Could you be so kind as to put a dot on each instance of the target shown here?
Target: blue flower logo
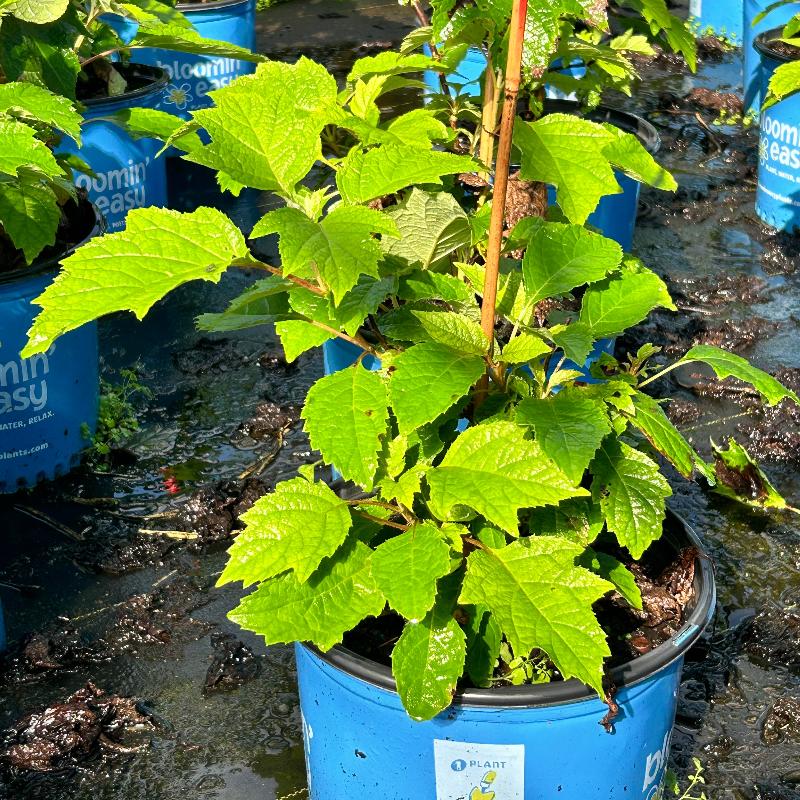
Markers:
(179, 96)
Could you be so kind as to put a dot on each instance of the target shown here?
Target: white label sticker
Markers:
(696, 8)
(469, 771)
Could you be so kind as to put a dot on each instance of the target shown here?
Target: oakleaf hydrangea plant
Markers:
(483, 468)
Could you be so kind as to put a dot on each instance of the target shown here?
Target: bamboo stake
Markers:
(513, 69)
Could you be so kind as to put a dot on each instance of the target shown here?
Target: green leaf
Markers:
(578, 519)
(559, 258)
(152, 10)
(265, 127)
(613, 571)
(483, 645)
(150, 123)
(568, 427)
(785, 81)
(39, 11)
(740, 478)
(456, 331)
(157, 252)
(169, 36)
(346, 415)
(362, 301)
(23, 151)
(632, 493)
(651, 420)
(293, 528)
(407, 567)
(431, 225)
(427, 380)
(29, 214)
(542, 29)
(524, 348)
(575, 340)
(548, 147)
(297, 337)
(381, 171)
(33, 103)
(428, 660)
(40, 54)
(613, 305)
(435, 286)
(341, 247)
(333, 601)
(261, 303)
(390, 62)
(627, 153)
(495, 470)
(726, 365)
(541, 600)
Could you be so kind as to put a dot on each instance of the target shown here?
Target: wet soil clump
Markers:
(67, 735)
(233, 664)
(782, 721)
(213, 513)
(716, 101)
(773, 638)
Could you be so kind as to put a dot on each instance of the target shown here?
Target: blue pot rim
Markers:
(213, 5)
(571, 691)
(51, 263)
(155, 77)
(762, 44)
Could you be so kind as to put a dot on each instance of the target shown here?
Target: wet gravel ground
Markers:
(126, 681)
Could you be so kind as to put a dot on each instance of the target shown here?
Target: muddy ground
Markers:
(126, 681)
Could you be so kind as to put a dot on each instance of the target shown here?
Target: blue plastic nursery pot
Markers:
(127, 173)
(778, 192)
(754, 84)
(45, 400)
(192, 77)
(721, 17)
(472, 67)
(512, 743)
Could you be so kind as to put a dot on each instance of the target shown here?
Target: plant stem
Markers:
(382, 521)
(491, 100)
(663, 372)
(513, 68)
(424, 22)
(250, 263)
(357, 340)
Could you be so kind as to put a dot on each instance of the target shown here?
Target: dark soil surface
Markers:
(108, 578)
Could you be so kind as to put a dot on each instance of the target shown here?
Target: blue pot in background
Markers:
(192, 77)
(127, 173)
(46, 400)
(778, 192)
(472, 67)
(753, 79)
(514, 743)
(721, 17)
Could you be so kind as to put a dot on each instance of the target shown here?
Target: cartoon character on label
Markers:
(482, 791)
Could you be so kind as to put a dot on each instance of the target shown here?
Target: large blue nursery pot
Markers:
(45, 400)
(778, 192)
(753, 78)
(192, 77)
(471, 69)
(127, 173)
(514, 743)
(721, 17)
